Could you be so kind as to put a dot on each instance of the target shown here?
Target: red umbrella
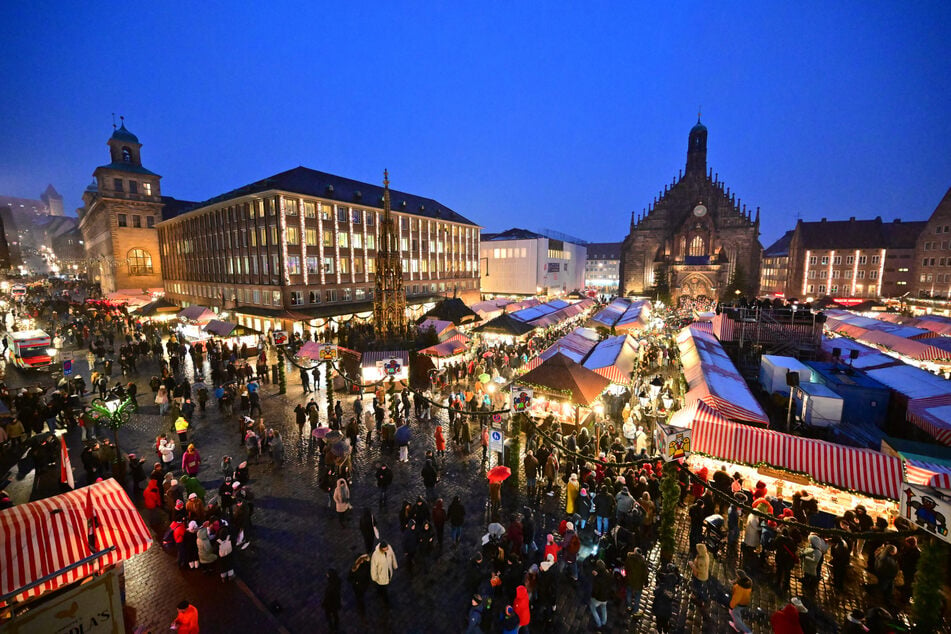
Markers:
(498, 474)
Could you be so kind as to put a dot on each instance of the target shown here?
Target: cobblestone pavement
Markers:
(296, 538)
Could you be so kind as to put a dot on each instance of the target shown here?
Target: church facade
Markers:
(696, 240)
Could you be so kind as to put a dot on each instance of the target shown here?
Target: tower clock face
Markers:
(700, 211)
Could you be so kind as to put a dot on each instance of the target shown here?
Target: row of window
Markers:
(942, 229)
(834, 288)
(123, 221)
(940, 278)
(847, 274)
(932, 261)
(119, 185)
(849, 259)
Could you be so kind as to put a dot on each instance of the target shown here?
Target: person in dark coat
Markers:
(439, 521)
(368, 529)
(457, 516)
(332, 602)
(359, 579)
(430, 478)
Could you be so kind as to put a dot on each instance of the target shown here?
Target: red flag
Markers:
(65, 466)
(92, 521)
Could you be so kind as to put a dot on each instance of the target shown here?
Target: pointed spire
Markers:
(113, 121)
(699, 110)
(757, 216)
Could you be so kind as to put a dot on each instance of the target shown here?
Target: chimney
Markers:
(823, 220)
(852, 219)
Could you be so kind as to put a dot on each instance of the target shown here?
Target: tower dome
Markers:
(122, 134)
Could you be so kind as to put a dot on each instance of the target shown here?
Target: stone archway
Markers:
(697, 285)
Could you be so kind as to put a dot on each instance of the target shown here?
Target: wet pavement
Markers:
(296, 538)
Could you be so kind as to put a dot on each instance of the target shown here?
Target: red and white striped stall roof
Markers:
(933, 415)
(696, 413)
(908, 347)
(928, 473)
(42, 537)
(865, 470)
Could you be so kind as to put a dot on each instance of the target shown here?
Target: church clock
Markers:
(700, 211)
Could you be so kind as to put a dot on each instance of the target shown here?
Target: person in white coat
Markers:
(167, 451)
(382, 566)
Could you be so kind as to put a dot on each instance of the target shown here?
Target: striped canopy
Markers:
(928, 473)
(45, 536)
(933, 415)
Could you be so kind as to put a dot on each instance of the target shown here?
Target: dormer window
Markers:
(126, 155)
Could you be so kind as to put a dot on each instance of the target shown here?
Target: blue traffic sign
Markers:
(67, 367)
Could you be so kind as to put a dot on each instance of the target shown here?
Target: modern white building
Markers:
(602, 266)
(522, 262)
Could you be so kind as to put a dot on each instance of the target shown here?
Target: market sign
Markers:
(388, 367)
(554, 267)
(328, 352)
(280, 337)
(522, 399)
(95, 607)
(927, 507)
(673, 443)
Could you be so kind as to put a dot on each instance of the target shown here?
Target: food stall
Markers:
(567, 390)
(73, 543)
(505, 329)
(839, 477)
(384, 365)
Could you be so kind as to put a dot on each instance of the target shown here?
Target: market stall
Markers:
(850, 468)
(933, 416)
(565, 389)
(575, 345)
(447, 351)
(934, 474)
(196, 314)
(624, 314)
(42, 538)
(160, 310)
(505, 329)
(712, 378)
(455, 311)
(615, 359)
(384, 365)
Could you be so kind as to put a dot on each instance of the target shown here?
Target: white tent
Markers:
(817, 405)
(773, 369)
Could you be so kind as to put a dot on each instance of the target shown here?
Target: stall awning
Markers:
(908, 347)
(196, 313)
(697, 413)
(42, 537)
(928, 473)
(220, 328)
(456, 344)
(161, 305)
(933, 415)
(560, 374)
(865, 470)
(614, 358)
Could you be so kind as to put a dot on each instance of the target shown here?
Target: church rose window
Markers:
(140, 262)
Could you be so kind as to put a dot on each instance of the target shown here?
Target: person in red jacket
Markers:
(187, 620)
(786, 620)
(440, 441)
(521, 606)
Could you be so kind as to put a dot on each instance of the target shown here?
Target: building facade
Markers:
(851, 258)
(933, 254)
(522, 262)
(602, 266)
(775, 267)
(303, 244)
(695, 239)
(120, 211)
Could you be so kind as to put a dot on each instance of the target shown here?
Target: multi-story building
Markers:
(933, 254)
(120, 211)
(522, 262)
(775, 267)
(302, 245)
(851, 258)
(602, 265)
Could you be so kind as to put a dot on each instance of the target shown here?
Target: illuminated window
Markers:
(697, 247)
(343, 240)
(293, 235)
(140, 262)
(126, 155)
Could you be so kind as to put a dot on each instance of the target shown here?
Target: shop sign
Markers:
(387, 368)
(521, 399)
(280, 337)
(92, 608)
(554, 267)
(927, 507)
(673, 443)
(328, 352)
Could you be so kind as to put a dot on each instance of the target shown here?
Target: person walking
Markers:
(191, 460)
(384, 478)
(342, 499)
(186, 622)
(700, 567)
(359, 579)
(382, 566)
(740, 602)
(457, 516)
(430, 478)
(440, 441)
(368, 529)
(602, 589)
(332, 600)
(635, 574)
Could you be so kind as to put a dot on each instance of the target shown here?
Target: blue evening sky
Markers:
(558, 115)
